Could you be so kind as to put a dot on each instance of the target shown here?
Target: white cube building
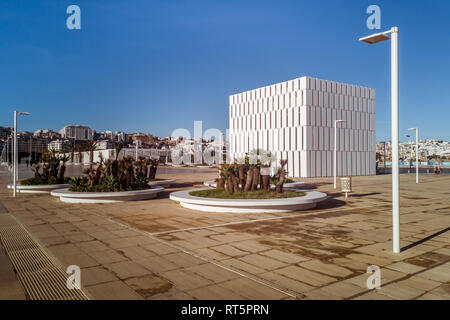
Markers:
(295, 121)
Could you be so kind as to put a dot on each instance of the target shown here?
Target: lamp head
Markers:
(375, 38)
(24, 113)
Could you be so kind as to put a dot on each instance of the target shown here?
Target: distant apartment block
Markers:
(295, 120)
(77, 132)
(59, 145)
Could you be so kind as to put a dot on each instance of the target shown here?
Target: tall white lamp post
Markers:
(375, 38)
(335, 150)
(16, 154)
(417, 153)
(137, 143)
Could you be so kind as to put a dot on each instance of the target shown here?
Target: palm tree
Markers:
(80, 150)
(118, 146)
(72, 149)
(91, 146)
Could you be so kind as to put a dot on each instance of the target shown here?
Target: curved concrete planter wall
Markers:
(247, 205)
(292, 185)
(162, 183)
(43, 188)
(106, 197)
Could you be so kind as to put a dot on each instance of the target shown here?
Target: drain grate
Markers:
(40, 276)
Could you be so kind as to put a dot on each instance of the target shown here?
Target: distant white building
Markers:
(104, 144)
(295, 121)
(58, 145)
(77, 132)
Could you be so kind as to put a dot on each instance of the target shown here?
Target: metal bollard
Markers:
(346, 185)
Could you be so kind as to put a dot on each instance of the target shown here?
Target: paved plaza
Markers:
(156, 249)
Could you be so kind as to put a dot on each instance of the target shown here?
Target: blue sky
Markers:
(154, 66)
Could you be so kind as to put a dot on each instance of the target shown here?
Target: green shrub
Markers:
(43, 181)
(258, 194)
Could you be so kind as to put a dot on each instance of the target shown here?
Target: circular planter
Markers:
(247, 205)
(290, 186)
(162, 183)
(106, 197)
(43, 188)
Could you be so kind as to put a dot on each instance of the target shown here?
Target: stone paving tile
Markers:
(196, 243)
(52, 241)
(326, 268)
(135, 252)
(304, 275)
(96, 275)
(374, 295)
(284, 282)
(81, 260)
(405, 267)
(250, 246)
(440, 273)
(263, 262)
(241, 265)
(419, 283)
(90, 246)
(107, 256)
(120, 243)
(401, 292)
(159, 248)
(149, 285)
(157, 264)
(213, 272)
(430, 296)
(284, 256)
(127, 269)
(369, 259)
(78, 237)
(319, 294)
(183, 260)
(252, 290)
(186, 280)
(229, 250)
(211, 254)
(215, 292)
(350, 264)
(443, 291)
(342, 289)
(103, 235)
(114, 290)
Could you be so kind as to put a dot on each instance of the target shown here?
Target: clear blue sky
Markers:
(154, 66)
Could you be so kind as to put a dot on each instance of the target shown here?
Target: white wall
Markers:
(295, 120)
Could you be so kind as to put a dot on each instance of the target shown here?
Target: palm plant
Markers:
(91, 146)
(72, 149)
(118, 146)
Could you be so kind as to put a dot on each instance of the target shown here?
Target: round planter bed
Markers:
(39, 188)
(106, 197)
(162, 183)
(287, 186)
(307, 201)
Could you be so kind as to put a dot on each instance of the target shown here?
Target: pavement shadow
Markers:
(330, 203)
(412, 245)
(361, 195)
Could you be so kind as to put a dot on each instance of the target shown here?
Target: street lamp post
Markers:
(16, 154)
(417, 153)
(335, 149)
(137, 142)
(375, 38)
